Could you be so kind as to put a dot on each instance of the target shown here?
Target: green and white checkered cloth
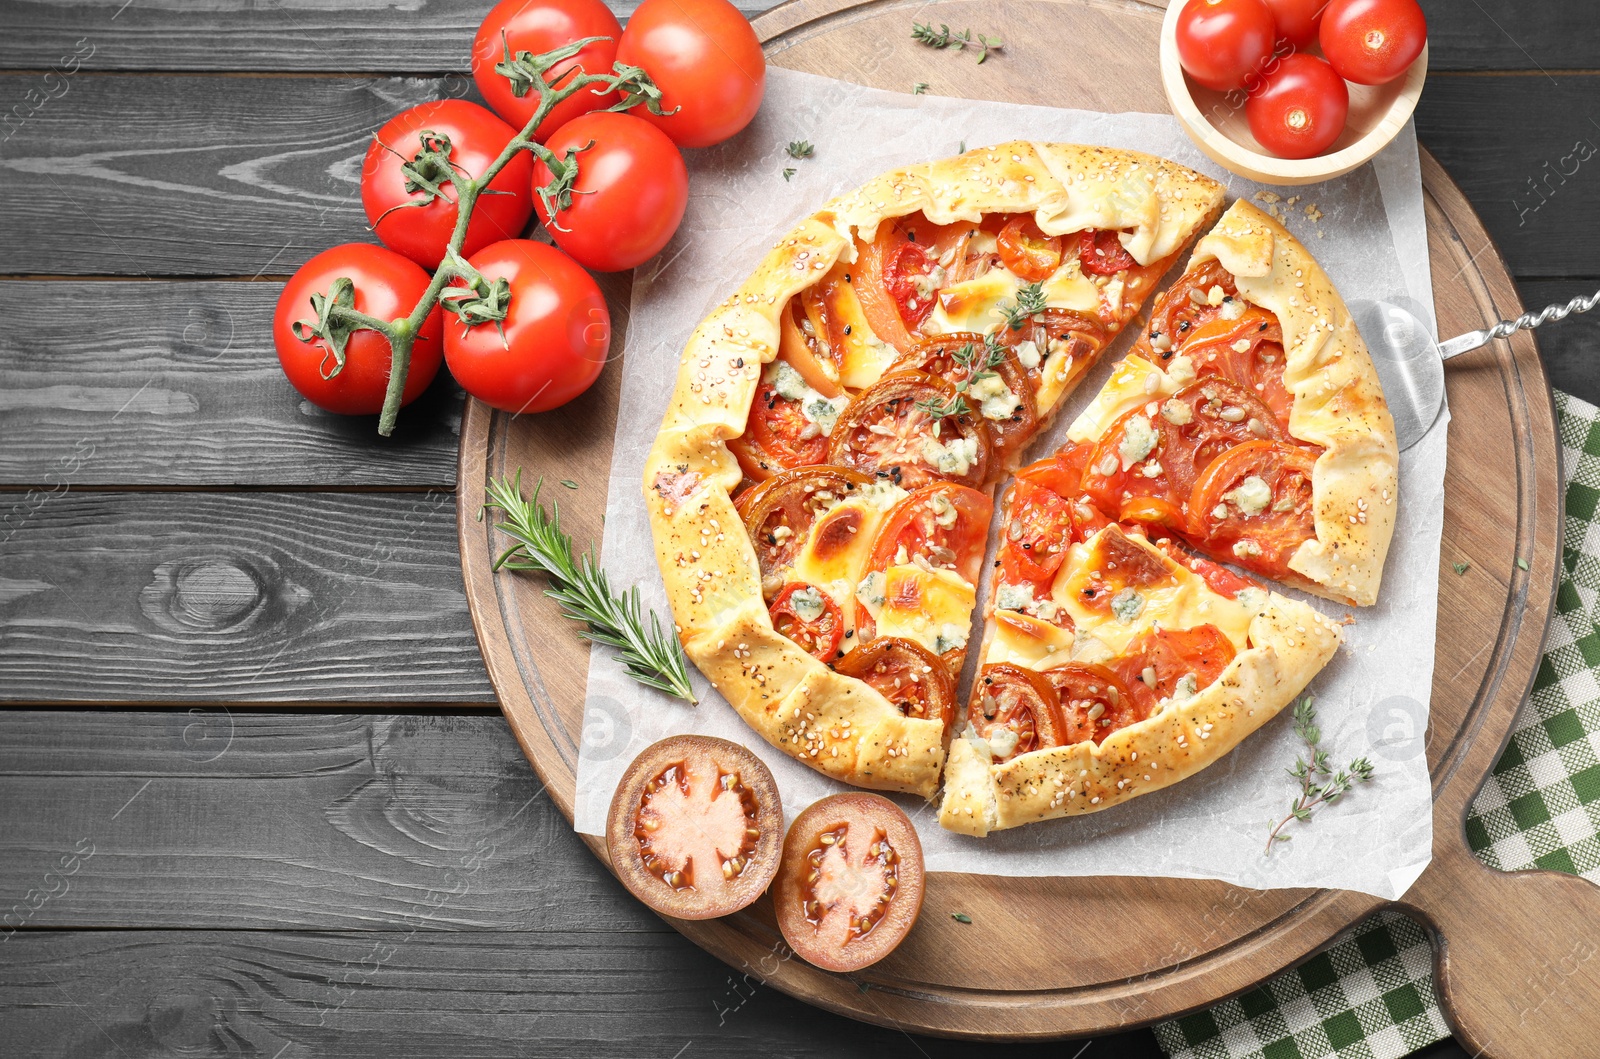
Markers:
(1371, 996)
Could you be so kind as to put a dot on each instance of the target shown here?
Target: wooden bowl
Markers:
(1216, 120)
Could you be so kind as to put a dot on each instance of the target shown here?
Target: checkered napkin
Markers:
(1371, 996)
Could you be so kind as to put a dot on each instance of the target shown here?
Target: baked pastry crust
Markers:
(1288, 643)
(711, 572)
(1338, 403)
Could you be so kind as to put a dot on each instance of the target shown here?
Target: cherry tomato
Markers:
(1372, 42)
(1297, 20)
(418, 223)
(1017, 706)
(908, 275)
(1222, 42)
(386, 285)
(818, 635)
(556, 333)
(911, 677)
(1034, 538)
(630, 194)
(960, 358)
(1300, 108)
(777, 436)
(1094, 702)
(539, 26)
(851, 884)
(1253, 504)
(695, 827)
(706, 60)
(1101, 253)
(893, 430)
(943, 523)
(1026, 251)
(899, 273)
(781, 513)
(1155, 664)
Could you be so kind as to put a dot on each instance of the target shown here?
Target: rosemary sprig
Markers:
(937, 409)
(800, 149)
(924, 33)
(653, 657)
(1312, 793)
(1030, 302)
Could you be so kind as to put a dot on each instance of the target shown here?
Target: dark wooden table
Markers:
(255, 794)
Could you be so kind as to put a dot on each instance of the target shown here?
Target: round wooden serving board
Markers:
(1072, 956)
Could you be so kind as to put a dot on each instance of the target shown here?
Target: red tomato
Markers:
(1085, 686)
(387, 286)
(1297, 20)
(911, 677)
(818, 636)
(557, 331)
(1033, 543)
(539, 26)
(1266, 540)
(706, 60)
(781, 513)
(896, 429)
(945, 524)
(777, 436)
(1101, 253)
(1155, 663)
(1221, 42)
(419, 224)
(1372, 42)
(629, 196)
(1300, 108)
(1018, 706)
(1026, 251)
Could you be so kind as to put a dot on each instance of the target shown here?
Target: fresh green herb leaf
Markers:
(963, 148)
(800, 149)
(1030, 302)
(937, 409)
(960, 917)
(1522, 564)
(652, 655)
(919, 88)
(788, 174)
(1461, 568)
(924, 33)
(569, 483)
(1319, 784)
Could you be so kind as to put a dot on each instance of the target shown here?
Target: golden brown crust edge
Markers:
(1290, 643)
(707, 562)
(1338, 402)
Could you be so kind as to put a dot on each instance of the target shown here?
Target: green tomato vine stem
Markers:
(525, 70)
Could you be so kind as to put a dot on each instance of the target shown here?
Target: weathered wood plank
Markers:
(1568, 347)
(207, 818)
(243, 175)
(242, 597)
(1526, 150)
(389, 996)
(433, 35)
(177, 383)
(427, 35)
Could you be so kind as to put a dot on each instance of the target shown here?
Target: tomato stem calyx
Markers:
(337, 319)
(556, 196)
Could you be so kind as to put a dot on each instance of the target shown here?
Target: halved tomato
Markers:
(1247, 351)
(695, 826)
(851, 884)
(780, 512)
(1113, 479)
(1034, 540)
(811, 618)
(913, 679)
(1094, 702)
(944, 523)
(1156, 663)
(1184, 306)
(903, 429)
(1101, 253)
(1255, 502)
(1027, 251)
(967, 362)
(777, 436)
(1016, 706)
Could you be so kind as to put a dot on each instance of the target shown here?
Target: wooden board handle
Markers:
(1517, 967)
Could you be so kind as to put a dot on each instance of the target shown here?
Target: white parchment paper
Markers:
(1372, 699)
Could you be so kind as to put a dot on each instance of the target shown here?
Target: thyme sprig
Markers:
(800, 149)
(1030, 301)
(1314, 794)
(937, 409)
(943, 37)
(651, 656)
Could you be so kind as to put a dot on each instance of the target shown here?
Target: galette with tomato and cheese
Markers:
(821, 491)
